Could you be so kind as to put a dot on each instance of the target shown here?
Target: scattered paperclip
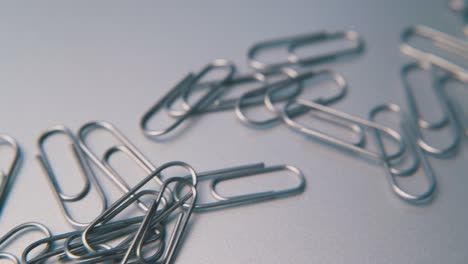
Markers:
(218, 176)
(87, 174)
(124, 145)
(189, 82)
(251, 98)
(448, 119)
(352, 120)
(415, 151)
(292, 43)
(451, 44)
(7, 177)
(30, 226)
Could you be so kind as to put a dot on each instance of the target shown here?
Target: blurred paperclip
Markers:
(292, 43)
(461, 7)
(439, 39)
(87, 174)
(253, 97)
(417, 156)
(25, 227)
(7, 177)
(448, 115)
(189, 82)
(354, 123)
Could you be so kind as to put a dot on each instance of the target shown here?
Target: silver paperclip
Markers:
(449, 117)
(439, 39)
(6, 178)
(418, 156)
(124, 144)
(153, 217)
(269, 100)
(129, 197)
(221, 201)
(290, 44)
(30, 226)
(250, 98)
(188, 83)
(87, 174)
(352, 120)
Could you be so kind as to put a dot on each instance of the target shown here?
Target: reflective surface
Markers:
(70, 63)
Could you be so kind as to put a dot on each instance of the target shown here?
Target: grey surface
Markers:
(69, 63)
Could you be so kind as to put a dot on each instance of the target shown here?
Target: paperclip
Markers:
(441, 40)
(443, 84)
(10, 258)
(216, 177)
(269, 101)
(123, 143)
(187, 83)
(123, 201)
(25, 226)
(152, 217)
(415, 117)
(293, 42)
(87, 174)
(6, 178)
(398, 190)
(250, 98)
(139, 162)
(340, 143)
(101, 234)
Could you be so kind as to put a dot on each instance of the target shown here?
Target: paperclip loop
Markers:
(5, 178)
(30, 226)
(9, 257)
(64, 243)
(250, 98)
(414, 115)
(221, 201)
(187, 83)
(418, 157)
(451, 44)
(125, 200)
(152, 217)
(87, 174)
(352, 120)
(269, 101)
(102, 163)
(294, 42)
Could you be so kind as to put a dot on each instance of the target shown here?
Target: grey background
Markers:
(64, 62)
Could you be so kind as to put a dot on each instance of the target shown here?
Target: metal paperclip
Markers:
(9, 257)
(340, 143)
(415, 151)
(124, 143)
(293, 42)
(101, 234)
(124, 200)
(269, 101)
(460, 114)
(14, 232)
(87, 174)
(153, 216)
(222, 201)
(6, 178)
(187, 83)
(448, 114)
(250, 98)
(439, 39)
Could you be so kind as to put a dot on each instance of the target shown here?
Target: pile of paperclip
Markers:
(154, 236)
